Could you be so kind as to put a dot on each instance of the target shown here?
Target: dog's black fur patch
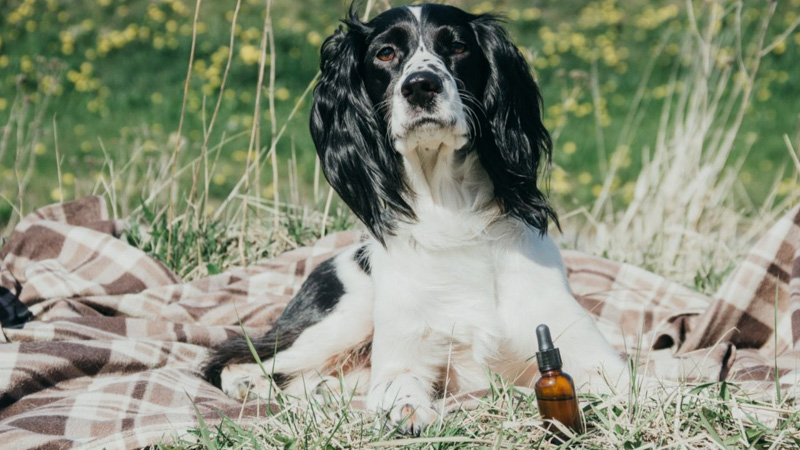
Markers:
(319, 295)
(362, 259)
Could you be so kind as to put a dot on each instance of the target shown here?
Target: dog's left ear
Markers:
(518, 142)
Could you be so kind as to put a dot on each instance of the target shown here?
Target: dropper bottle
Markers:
(555, 391)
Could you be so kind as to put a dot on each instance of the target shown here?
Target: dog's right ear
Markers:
(351, 138)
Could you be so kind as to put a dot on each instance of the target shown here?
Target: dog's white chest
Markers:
(447, 296)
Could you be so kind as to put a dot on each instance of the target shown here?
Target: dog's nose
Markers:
(421, 87)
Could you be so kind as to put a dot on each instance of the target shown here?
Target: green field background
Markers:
(109, 75)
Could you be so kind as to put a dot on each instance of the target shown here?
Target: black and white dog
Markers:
(428, 125)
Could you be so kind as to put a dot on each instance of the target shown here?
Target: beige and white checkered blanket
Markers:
(100, 343)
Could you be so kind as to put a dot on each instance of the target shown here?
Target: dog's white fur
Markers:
(456, 295)
(448, 105)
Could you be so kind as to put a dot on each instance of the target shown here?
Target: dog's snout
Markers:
(420, 88)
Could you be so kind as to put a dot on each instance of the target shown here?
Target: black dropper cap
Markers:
(548, 357)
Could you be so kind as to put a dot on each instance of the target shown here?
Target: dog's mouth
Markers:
(430, 129)
(428, 122)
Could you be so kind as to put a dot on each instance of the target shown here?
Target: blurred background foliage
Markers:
(104, 80)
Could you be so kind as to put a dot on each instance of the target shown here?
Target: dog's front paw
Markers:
(611, 377)
(246, 382)
(405, 402)
(411, 419)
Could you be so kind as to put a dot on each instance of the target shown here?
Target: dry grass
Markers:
(689, 213)
(679, 416)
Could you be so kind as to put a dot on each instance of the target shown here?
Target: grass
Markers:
(109, 77)
(713, 415)
(691, 155)
(689, 217)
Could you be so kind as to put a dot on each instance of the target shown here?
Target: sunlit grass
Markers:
(114, 73)
(713, 415)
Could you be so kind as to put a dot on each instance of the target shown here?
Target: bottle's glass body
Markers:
(557, 400)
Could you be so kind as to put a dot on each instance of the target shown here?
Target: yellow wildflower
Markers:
(780, 48)
(240, 155)
(531, 13)
(282, 94)
(250, 54)
(314, 38)
(56, 194)
(26, 64)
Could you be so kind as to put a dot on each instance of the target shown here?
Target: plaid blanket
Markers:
(100, 343)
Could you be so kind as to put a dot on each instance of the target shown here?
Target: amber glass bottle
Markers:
(555, 391)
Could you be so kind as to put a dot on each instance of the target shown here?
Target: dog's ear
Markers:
(351, 138)
(518, 142)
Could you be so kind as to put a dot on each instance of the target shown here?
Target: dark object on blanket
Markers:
(13, 313)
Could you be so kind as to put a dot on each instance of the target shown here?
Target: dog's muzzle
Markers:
(421, 88)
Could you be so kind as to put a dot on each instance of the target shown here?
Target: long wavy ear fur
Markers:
(513, 151)
(350, 136)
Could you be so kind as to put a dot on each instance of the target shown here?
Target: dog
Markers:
(428, 124)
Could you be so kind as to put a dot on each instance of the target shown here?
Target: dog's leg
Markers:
(405, 364)
(314, 357)
(405, 398)
(533, 289)
(470, 375)
(402, 378)
(328, 318)
(354, 381)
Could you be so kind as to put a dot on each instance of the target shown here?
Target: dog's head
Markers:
(430, 76)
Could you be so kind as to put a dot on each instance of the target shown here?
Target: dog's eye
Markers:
(458, 47)
(385, 54)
